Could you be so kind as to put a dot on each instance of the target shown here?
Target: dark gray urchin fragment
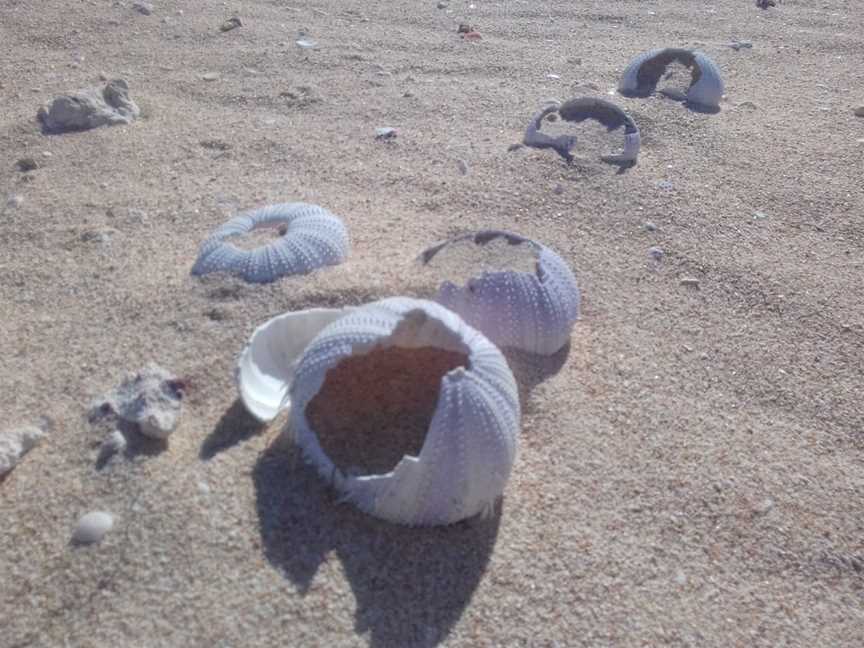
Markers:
(641, 76)
(578, 110)
(314, 238)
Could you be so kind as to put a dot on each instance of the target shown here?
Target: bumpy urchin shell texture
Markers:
(315, 238)
(643, 72)
(471, 442)
(534, 312)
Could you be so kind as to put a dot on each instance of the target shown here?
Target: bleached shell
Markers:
(534, 312)
(315, 238)
(470, 446)
(706, 91)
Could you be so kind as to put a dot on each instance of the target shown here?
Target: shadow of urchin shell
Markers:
(531, 305)
(641, 76)
(578, 110)
(314, 238)
(470, 444)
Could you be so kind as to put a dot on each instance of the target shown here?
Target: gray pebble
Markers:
(231, 23)
(462, 165)
(306, 43)
(649, 226)
(90, 108)
(144, 8)
(92, 527)
(859, 111)
(14, 201)
(27, 164)
(385, 133)
(210, 76)
(689, 282)
(656, 253)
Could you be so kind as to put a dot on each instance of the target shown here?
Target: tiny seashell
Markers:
(534, 312)
(315, 238)
(643, 72)
(92, 527)
(470, 445)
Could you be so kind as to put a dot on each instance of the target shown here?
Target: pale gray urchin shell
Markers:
(470, 446)
(315, 238)
(534, 312)
(642, 74)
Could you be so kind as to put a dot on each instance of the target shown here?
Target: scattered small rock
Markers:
(739, 45)
(759, 215)
(102, 235)
(656, 253)
(442, 5)
(231, 23)
(472, 35)
(764, 506)
(859, 111)
(464, 28)
(14, 201)
(558, 189)
(462, 165)
(144, 8)
(306, 43)
(514, 147)
(210, 76)
(553, 77)
(649, 226)
(15, 443)
(27, 164)
(90, 108)
(385, 133)
(749, 105)
(689, 282)
(764, 4)
(150, 398)
(92, 527)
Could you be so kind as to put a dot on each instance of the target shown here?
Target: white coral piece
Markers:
(534, 312)
(14, 444)
(470, 446)
(315, 238)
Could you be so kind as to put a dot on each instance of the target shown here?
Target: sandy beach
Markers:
(690, 469)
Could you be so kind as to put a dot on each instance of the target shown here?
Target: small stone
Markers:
(204, 487)
(462, 165)
(47, 154)
(14, 201)
(665, 184)
(16, 443)
(680, 577)
(102, 235)
(558, 189)
(464, 28)
(689, 282)
(739, 45)
(859, 111)
(210, 76)
(554, 77)
(656, 253)
(759, 215)
(763, 507)
(472, 35)
(306, 43)
(231, 23)
(514, 147)
(649, 226)
(114, 444)
(92, 527)
(385, 133)
(749, 105)
(27, 164)
(144, 8)
(442, 5)
(90, 108)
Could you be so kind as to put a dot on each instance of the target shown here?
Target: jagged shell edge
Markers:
(385, 495)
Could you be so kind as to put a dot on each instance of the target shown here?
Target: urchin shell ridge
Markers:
(315, 238)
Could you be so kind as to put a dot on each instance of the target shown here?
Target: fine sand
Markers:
(691, 468)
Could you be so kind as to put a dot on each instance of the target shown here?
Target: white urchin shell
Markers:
(534, 312)
(706, 91)
(470, 446)
(315, 238)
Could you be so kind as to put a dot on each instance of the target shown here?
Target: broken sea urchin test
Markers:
(377, 362)
(578, 110)
(518, 292)
(641, 76)
(313, 238)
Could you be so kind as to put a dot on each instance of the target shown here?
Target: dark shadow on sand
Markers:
(411, 585)
(531, 369)
(235, 426)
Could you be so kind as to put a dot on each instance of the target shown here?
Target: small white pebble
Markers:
(92, 527)
(14, 201)
(204, 487)
(656, 253)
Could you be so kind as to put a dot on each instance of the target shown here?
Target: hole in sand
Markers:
(374, 409)
(258, 237)
(462, 259)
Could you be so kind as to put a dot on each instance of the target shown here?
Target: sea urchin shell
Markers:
(470, 445)
(532, 311)
(642, 74)
(314, 238)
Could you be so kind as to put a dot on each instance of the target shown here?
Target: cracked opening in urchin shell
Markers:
(260, 236)
(374, 409)
(465, 257)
